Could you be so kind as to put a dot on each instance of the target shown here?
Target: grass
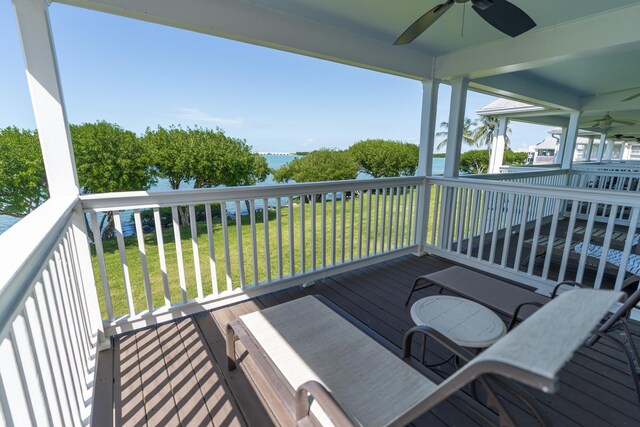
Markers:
(216, 279)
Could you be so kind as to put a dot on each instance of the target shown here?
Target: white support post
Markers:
(43, 78)
(456, 124)
(497, 146)
(560, 147)
(452, 157)
(570, 140)
(625, 154)
(425, 159)
(603, 143)
(608, 155)
(587, 151)
(427, 126)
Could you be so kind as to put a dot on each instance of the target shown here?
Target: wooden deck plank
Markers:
(102, 414)
(132, 407)
(217, 396)
(160, 405)
(187, 394)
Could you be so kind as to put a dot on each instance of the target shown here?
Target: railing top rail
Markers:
(623, 174)
(144, 199)
(26, 246)
(517, 175)
(623, 198)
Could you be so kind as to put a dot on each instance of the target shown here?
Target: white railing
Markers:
(632, 166)
(528, 168)
(290, 235)
(48, 319)
(520, 231)
(555, 177)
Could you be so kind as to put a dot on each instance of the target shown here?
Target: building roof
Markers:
(547, 144)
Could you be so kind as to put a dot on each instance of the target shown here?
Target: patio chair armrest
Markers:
(554, 293)
(516, 312)
(427, 331)
(319, 392)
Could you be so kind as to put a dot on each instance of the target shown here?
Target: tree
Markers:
(485, 130)
(467, 133)
(108, 159)
(23, 182)
(477, 161)
(382, 158)
(170, 153)
(474, 161)
(320, 165)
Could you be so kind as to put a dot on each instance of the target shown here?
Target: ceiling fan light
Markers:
(482, 4)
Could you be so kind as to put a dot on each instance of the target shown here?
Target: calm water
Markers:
(163, 185)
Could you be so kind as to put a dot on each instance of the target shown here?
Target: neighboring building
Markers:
(543, 153)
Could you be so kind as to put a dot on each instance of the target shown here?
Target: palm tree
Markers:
(467, 133)
(485, 130)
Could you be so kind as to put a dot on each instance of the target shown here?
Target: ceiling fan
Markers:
(501, 14)
(637, 95)
(606, 121)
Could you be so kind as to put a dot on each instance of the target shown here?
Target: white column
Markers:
(497, 146)
(603, 142)
(560, 146)
(587, 151)
(609, 151)
(625, 154)
(425, 159)
(570, 140)
(46, 96)
(456, 124)
(427, 126)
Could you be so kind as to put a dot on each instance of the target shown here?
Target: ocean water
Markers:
(275, 161)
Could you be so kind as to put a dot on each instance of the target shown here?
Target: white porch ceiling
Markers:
(583, 54)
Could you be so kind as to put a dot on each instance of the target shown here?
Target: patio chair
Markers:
(304, 348)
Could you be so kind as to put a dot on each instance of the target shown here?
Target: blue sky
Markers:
(138, 74)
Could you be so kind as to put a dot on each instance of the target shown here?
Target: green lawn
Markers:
(333, 243)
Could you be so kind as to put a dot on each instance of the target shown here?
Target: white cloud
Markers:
(195, 115)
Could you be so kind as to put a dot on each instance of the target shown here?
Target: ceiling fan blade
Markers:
(631, 97)
(506, 17)
(624, 122)
(424, 22)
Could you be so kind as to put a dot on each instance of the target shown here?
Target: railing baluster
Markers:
(333, 228)
(540, 200)
(303, 247)
(587, 239)
(435, 237)
(313, 231)
(196, 252)
(375, 223)
(352, 231)
(523, 229)
(225, 238)
(343, 228)
(143, 259)
(605, 246)
(178, 242)
(403, 222)
(279, 235)
(123, 262)
(323, 228)
(97, 240)
(254, 240)
(557, 207)
(507, 234)
(635, 215)
(383, 224)
(292, 255)
(163, 261)
(486, 201)
(462, 210)
(567, 243)
(212, 250)
(475, 196)
(240, 247)
(267, 247)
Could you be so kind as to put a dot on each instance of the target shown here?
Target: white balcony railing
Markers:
(48, 319)
(531, 234)
(290, 234)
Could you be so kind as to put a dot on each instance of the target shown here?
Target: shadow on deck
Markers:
(175, 373)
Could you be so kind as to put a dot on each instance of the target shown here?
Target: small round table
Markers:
(465, 322)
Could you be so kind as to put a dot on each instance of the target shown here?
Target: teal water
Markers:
(163, 185)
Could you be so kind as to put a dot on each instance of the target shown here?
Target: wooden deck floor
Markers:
(175, 374)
